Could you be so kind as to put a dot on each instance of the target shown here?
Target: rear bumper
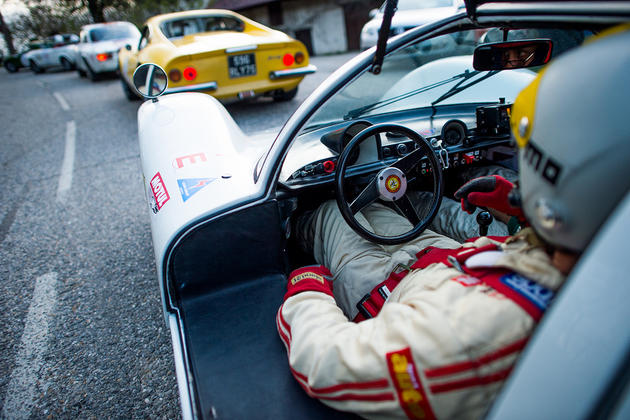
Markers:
(281, 80)
(283, 74)
(200, 87)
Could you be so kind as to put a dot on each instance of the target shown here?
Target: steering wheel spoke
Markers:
(366, 197)
(408, 162)
(408, 210)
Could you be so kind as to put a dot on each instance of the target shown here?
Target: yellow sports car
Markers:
(218, 52)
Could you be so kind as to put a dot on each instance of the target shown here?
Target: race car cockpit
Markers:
(224, 205)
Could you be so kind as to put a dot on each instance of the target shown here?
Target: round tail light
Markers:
(287, 60)
(299, 57)
(190, 73)
(175, 75)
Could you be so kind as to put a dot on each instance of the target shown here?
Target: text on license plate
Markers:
(241, 65)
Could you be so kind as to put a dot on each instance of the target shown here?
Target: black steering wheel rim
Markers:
(406, 163)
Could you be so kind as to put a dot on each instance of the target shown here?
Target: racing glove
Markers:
(491, 191)
(315, 278)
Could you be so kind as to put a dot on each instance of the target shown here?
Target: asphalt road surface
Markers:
(82, 333)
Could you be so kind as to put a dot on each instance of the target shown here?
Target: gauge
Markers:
(349, 133)
(402, 149)
(454, 132)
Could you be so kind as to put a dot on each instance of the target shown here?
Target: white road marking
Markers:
(62, 101)
(20, 395)
(67, 167)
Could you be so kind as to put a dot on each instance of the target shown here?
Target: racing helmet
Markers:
(572, 127)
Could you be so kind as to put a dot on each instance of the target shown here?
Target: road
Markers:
(82, 333)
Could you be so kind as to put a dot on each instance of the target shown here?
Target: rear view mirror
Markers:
(512, 54)
(150, 80)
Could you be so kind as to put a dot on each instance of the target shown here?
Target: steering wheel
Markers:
(389, 185)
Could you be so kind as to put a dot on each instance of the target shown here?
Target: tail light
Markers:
(190, 73)
(104, 56)
(299, 57)
(175, 75)
(287, 60)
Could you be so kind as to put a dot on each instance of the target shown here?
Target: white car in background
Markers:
(57, 51)
(410, 13)
(99, 46)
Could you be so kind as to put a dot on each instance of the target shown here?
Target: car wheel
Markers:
(129, 93)
(34, 67)
(66, 64)
(11, 67)
(90, 73)
(281, 95)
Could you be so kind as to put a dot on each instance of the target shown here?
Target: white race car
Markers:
(222, 205)
(58, 51)
(97, 52)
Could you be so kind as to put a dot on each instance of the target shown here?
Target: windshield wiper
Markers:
(355, 113)
(458, 86)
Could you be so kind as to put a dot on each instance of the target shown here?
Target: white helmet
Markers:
(572, 125)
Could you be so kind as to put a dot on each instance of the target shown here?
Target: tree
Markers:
(6, 33)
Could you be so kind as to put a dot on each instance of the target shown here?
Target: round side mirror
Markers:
(150, 80)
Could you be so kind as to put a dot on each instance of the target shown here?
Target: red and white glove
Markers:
(490, 191)
(316, 278)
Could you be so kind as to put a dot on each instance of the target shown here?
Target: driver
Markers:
(442, 323)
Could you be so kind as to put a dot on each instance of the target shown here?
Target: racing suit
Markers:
(446, 337)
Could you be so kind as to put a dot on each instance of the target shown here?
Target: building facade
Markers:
(324, 26)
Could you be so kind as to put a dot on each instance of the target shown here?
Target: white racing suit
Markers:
(447, 335)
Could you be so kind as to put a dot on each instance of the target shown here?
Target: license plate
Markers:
(241, 65)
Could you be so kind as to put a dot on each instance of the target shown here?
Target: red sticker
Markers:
(467, 281)
(182, 161)
(412, 397)
(160, 194)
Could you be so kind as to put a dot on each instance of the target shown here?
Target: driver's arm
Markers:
(419, 358)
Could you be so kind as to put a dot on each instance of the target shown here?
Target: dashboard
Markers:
(460, 135)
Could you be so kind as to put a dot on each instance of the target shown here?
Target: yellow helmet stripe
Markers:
(607, 32)
(523, 111)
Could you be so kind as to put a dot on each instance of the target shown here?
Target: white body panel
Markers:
(196, 162)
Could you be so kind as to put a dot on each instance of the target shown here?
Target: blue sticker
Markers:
(530, 290)
(190, 186)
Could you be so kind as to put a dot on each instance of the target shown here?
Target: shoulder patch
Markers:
(307, 275)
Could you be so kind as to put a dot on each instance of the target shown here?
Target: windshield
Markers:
(110, 32)
(418, 84)
(436, 71)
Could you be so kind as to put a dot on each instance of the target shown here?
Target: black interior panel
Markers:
(239, 363)
(230, 277)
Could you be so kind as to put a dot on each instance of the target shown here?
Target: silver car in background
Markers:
(409, 14)
(57, 51)
(99, 45)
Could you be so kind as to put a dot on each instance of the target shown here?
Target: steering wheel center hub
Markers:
(392, 184)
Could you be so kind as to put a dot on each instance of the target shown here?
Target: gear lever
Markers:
(484, 218)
